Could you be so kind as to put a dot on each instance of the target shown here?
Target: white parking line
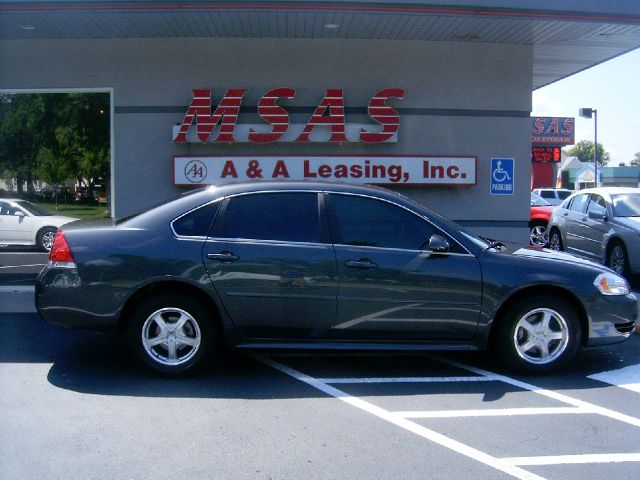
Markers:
(575, 459)
(407, 379)
(497, 412)
(627, 377)
(547, 393)
(510, 465)
(408, 425)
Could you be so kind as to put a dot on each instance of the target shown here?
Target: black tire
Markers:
(538, 234)
(617, 258)
(184, 324)
(45, 238)
(538, 334)
(555, 240)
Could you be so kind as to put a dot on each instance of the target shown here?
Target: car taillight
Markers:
(60, 254)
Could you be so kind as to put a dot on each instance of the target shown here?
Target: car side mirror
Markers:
(18, 213)
(597, 216)
(437, 243)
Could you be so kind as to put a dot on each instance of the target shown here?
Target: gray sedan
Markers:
(602, 224)
(320, 265)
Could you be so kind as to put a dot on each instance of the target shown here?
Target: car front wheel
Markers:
(538, 334)
(172, 334)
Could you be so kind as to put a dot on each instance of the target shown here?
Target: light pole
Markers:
(588, 113)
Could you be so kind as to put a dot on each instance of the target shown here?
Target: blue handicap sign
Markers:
(502, 176)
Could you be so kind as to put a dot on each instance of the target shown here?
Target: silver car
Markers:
(602, 224)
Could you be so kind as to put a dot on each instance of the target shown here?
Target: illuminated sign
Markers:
(552, 131)
(546, 154)
(326, 124)
(375, 169)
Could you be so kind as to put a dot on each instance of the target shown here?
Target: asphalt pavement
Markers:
(77, 405)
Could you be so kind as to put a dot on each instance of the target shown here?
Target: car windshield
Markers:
(33, 209)
(538, 201)
(626, 205)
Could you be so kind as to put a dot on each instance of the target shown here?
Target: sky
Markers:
(613, 88)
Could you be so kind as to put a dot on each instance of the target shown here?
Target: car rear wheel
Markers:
(172, 334)
(538, 234)
(617, 259)
(555, 240)
(538, 334)
(46, 237)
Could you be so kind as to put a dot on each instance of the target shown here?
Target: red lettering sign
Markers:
(274, 114)
(330, 114)
(200, 111)
(383, 114)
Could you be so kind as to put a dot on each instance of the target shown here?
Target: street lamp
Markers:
(588, 113)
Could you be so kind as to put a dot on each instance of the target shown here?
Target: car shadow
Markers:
(88, 362)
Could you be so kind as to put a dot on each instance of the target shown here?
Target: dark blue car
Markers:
(319, 265)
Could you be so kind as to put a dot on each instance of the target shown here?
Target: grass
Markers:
(76, 210)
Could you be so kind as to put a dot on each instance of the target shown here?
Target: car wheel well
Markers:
(169, 287)
(532, 291)
(611, 243)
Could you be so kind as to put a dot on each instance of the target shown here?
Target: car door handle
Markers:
(225, 257)
(362, 264)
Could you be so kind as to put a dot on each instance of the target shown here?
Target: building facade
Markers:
(461, 78)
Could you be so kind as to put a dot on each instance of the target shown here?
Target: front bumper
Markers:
(611, 318)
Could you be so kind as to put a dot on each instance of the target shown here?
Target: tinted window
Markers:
(579, 203)
(547, 194)
(292, 217)
(369, 222)
(563, 194)
(597, 205)
(198, 222)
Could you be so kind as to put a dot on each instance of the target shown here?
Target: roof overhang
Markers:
(566, 36)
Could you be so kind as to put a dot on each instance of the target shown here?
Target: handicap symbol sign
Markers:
(502, 176)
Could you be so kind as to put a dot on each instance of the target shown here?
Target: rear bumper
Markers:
(63, 299)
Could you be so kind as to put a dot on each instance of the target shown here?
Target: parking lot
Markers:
(76, 405)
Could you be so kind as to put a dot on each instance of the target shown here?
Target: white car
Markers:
(555, 196)
(23, 223)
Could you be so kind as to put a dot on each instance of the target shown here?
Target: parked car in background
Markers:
(322, 265)
(24, 223)
(555, 196)
(538, 221)
(602, 224)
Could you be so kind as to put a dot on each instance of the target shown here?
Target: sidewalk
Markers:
(17, 299)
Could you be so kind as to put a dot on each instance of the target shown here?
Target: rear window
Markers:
(196, 223)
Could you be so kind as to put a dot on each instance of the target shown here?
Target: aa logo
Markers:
(195, 171)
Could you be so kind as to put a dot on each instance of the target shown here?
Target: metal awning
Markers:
(564, 41)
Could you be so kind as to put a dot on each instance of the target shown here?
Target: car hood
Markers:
(551, 255)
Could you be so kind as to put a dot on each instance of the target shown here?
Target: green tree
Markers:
(584, 151)
(636, 160)
(47, 136)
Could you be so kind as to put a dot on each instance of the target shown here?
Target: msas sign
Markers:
(326, 124)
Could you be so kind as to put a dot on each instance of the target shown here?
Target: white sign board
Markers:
(400, 170)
